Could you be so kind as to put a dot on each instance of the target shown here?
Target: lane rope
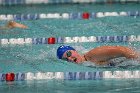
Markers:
(28, 2)
(69, 75)
(80, 15)
(64, 40)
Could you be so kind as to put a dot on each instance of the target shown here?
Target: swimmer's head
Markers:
(62, 49)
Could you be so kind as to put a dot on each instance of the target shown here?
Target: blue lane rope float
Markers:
(84, 15)
(26, 2)
(69, 75)
(63, 40)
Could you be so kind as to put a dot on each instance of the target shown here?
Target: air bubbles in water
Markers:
(81, 49)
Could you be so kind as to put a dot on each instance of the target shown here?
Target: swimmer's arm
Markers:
(113, 51)
(129, 53)
(13, 24)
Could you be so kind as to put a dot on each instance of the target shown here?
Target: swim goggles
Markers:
(68, 54)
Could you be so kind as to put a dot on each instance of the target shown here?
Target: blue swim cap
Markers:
(62, 49)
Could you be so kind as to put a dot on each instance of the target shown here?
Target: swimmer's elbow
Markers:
(132, 56)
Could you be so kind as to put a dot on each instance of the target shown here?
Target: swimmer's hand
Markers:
(112, 64)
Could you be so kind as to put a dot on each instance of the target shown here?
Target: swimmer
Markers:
(99, 56)
(12, 24)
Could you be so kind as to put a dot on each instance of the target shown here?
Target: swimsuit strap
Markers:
(85, 58)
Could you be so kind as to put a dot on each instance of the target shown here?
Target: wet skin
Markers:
(100, 55)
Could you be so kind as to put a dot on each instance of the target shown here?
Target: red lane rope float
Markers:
(51, 40)
(86, 15)
(10, 77)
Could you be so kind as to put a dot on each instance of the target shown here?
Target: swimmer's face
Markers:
(72, 56)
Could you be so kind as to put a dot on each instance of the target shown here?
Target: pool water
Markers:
(42, 58)
(95, 86)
